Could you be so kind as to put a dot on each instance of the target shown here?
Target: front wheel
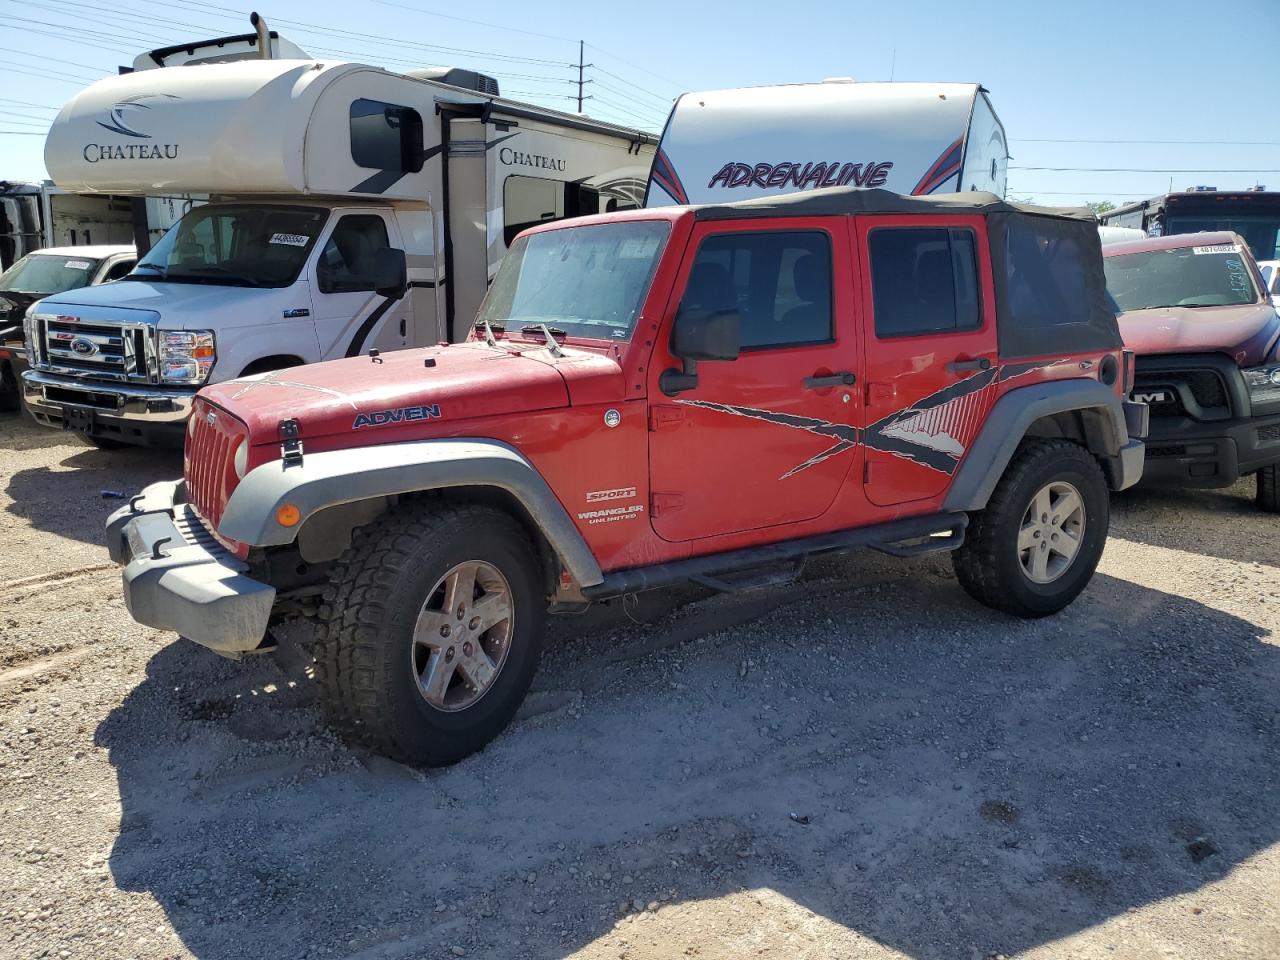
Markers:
(1036, 544)
(431, 632)
(1268, 498)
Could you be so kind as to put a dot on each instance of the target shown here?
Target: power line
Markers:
(636, 66)
(1214, 143)
(640, 104)
(634, 86)
(1138, 170)
(27, 103)
(21, 133)
(47, 75)
(26, 120)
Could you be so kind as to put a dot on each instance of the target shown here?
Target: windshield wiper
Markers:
(550, 333)
(489, 330)
(162, 271)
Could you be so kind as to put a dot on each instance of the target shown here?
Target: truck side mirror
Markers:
(390, 273)
(700, 335)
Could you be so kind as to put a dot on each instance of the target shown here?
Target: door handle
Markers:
(830, 380)
(959, 366)
(402, 326)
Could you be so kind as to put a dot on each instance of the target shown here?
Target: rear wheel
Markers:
(1268, 497)
(1037, 543)
(431, 632)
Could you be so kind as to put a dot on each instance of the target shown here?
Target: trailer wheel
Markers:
(431, 631)
(1268, 496)
(1035, 546)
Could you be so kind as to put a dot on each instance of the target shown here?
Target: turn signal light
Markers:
(288, 515)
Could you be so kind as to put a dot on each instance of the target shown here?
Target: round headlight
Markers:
(1274, 376)
(241, 460)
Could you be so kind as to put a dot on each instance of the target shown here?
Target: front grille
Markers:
(1207, 387)
(1200, 394)
(195, 532)
(1267, 434)
(107, 350)
(212, 438)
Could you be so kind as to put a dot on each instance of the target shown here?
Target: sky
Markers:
(1101, 101)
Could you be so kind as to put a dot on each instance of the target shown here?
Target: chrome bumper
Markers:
(178, 577)
(47, 394)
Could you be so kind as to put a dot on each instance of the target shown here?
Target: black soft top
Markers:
(1051, 293)
(847, 200)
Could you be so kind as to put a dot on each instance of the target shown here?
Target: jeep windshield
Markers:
(1206, 276)
(249, 245)
(587, 281)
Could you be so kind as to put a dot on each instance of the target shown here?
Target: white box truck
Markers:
(910, 138)
(351, 209)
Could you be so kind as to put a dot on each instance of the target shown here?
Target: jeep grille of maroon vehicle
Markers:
(698, 394)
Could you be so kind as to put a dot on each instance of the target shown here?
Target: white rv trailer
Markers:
(312, 168)
(911, 138)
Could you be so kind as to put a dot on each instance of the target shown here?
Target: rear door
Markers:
(930, 343)
(766, 439)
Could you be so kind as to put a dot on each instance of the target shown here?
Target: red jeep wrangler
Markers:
(663, 395)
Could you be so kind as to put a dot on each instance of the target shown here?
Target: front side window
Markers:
(1205, 276)
(346, 262)
(386, 136)
(44, 274)
(589, 281)
(118, 270)
(778, 282)
(924, 280)
(239, 245)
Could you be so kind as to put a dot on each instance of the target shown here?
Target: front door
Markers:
(350, 318)
(930, 348)
(769, 438)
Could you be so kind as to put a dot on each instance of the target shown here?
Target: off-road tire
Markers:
(366, 624)
(988, 564)
(1268, 496)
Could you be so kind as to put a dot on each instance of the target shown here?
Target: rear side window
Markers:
(386, 136)
(780, 284)
(346, 262)
(529, 201)
(1046, 277)
(924, 280)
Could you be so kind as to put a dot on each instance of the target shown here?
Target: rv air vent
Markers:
(457, 77)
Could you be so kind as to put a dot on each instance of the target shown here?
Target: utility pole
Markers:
(582, 66)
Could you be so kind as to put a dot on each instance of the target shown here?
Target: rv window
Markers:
(780, 284)
(346, 262)
(529, 201)
(923, 280)
(385, 136)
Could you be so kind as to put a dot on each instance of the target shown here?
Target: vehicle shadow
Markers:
(930, 775)
(1223, 523)
(73, 499)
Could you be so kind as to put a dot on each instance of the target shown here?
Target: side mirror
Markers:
(700, 335)
(390, 273)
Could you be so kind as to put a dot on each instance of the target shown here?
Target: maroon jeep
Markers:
(706, 394)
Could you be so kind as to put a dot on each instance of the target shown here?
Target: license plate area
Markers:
(79, 419)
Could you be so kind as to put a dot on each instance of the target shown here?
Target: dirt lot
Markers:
(866, 766)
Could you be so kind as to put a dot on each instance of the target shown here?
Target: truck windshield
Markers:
(1210, 276)
(589, 281)
(241, 245)
(45, 273)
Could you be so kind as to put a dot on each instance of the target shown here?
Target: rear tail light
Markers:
(1130, 359)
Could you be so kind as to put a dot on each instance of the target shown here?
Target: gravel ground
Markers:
(866, 765)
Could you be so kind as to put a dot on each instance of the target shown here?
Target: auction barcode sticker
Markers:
(1218, 248)
(292, 239)
(77, 264)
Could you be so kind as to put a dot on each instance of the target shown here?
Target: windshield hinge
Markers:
(290, 443)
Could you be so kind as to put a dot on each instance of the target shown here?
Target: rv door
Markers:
(466, 209)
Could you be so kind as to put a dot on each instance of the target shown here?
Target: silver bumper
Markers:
(48, 393)
(178, 577)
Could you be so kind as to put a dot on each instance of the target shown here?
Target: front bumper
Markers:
(151, 416)
(1186, 452)
(178, 577)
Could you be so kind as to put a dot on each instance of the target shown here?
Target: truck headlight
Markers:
(1263, 383)
(186, 356)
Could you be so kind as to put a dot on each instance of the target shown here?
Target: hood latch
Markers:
(290, 443)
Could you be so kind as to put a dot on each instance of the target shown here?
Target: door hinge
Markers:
(660, 503)
(664, 415)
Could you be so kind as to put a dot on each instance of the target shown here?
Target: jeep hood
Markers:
(185, 306)
(1247, 333)
(399, 393)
